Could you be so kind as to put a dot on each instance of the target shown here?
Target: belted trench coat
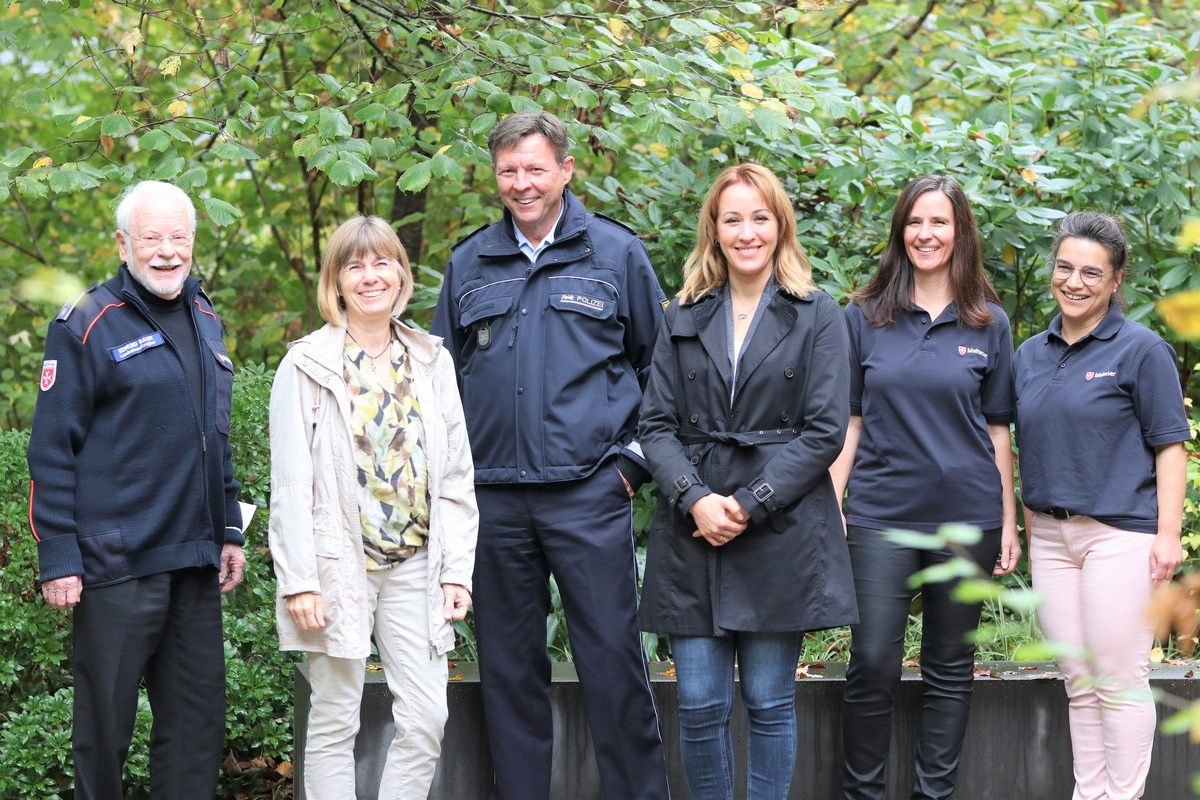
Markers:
(770, 446)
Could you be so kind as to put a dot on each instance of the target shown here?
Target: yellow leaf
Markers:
(638, 81)
(741, 74)
(1181, 312)
(67, 249)
(1009, 255)
(659, 149)
(746, 105)
(82, 118)
(385, 40)
(1189, 235)
(44, 161)
(129, 40)
(106, 144)
(737, 41)
(775, 105)
(178, 108)
(1194, 733)
(996, 18)
(442, 149)
(467, 82)
(1156, 655)
(620, 31)
(1028, 175)
(750, 90)
(170, 65)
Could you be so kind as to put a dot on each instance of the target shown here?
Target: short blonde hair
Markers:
(705, 268)
(353, 238)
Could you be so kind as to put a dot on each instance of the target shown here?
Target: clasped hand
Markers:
(719, 519)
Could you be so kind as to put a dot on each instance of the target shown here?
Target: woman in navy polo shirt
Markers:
(931, 400)
(1101, 425)
(744, 411)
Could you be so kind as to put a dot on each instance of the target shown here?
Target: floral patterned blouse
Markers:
(389, 450)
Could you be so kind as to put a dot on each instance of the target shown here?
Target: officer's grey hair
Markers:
(509, 132)
(144, 189)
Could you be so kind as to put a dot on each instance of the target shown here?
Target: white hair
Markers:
(146, 189)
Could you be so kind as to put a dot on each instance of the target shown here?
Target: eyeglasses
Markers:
(1089, 275)
(177, 240)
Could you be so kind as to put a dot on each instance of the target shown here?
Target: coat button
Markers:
(784, 417)
(788, 373)
(691, 374)
(520, 390)
(695, 459)
(694, 418)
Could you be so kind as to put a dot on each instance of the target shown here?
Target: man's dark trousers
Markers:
(582, 532)
(167, 626)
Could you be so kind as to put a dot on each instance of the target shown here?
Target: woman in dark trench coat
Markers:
(744, 412)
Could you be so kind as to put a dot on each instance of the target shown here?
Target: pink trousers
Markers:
(1095, 582)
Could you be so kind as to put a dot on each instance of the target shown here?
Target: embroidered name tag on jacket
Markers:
(138, 345)
(583, 301)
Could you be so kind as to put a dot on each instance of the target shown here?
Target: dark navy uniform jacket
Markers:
(126, 481)
(1089, 416)
(550, 355)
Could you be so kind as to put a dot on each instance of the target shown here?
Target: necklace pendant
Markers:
(743, 314)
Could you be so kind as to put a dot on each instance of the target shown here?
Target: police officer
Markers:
(133, 503)
(551, 315)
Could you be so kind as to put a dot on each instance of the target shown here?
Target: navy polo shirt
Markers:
(926, 391)
(1089, 416)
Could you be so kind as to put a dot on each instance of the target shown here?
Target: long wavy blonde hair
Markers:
(706, 268)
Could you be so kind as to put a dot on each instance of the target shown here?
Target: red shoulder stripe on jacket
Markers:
(88, 332)
(204, 310)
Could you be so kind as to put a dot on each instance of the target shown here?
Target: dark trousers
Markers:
(881, 572)
(165, 629)
(582, 532)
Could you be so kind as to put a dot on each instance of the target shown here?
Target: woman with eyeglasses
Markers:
(1100, 426)
(373, 516)
(931, 400)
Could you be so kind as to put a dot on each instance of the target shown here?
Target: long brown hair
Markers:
(891, 287)
(706, 269)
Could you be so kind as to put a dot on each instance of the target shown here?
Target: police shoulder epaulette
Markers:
(616, 222)
(65, 312)
(471, 235)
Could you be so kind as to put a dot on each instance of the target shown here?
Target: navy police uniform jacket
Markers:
(125, 481)
(549, 355)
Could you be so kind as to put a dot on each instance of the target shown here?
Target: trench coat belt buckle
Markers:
(1059, 513)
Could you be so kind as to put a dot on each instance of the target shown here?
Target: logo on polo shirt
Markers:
(1091, 374)
(964, 350)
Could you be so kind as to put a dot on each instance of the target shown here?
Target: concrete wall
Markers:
(1017, 747)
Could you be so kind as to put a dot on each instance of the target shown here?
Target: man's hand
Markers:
(458, 600)
(233, 567)
(63, 593)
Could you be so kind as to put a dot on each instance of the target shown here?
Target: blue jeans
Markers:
(704, 675)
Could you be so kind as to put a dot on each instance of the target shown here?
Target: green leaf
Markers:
(157, 140)
(17, 157)
(415, 178)
(372, 113)
(67, 179)
(334, 125)
(443, 166)
(116, 125)
(220, 212)
(522, 103)
(350, 170)
(195, 177)
(31, 188)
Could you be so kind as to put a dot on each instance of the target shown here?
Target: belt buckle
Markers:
(1059, 513)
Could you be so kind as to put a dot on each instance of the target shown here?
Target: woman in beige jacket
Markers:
(373, 516)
